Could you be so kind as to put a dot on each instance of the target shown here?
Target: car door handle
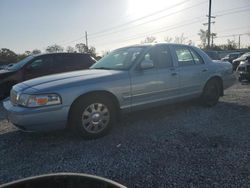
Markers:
(174, 73)
(204, 70)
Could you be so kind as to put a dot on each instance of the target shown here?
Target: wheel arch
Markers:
(218, 79)
(98, 93)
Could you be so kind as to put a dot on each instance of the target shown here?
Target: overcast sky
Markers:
(35, 24)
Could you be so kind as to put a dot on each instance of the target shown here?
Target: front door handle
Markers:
(204, 70)
(174, 73)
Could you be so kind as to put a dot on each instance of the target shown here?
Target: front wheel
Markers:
(92, 117)
(211, 93)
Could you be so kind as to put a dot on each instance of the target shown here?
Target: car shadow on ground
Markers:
(129, 121)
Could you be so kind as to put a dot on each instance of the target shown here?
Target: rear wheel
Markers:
(211, 93)
(92, 117)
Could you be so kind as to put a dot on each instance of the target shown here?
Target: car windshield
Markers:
(19, 64)
(120, 59)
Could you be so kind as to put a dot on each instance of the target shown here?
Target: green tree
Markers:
(81, 48)
(36, 51)
(7, 56)
(92, 51)
(150, 39)
(54, 48)
(180, 39)
(27, 52)
(231, 45)
(168, 39)
(105, 52)
(70, 49)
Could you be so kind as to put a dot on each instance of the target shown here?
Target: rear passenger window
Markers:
(165, 59)
(184, 56)
(83, 61)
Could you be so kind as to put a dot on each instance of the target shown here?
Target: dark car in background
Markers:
(237, 61)
(40, 65)
(213, 55)
(232, 56)
(243, 70)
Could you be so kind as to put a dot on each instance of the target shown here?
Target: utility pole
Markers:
(239, 40)
(212, 40)
(86, 39)
(209, 23)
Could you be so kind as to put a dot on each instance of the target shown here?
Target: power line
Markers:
(149, 21)
(233, 12)
(158, 18)
(82, 37)
(157, 32)
(141, 18)
(176, 12)
(232, 9)
(233, 35)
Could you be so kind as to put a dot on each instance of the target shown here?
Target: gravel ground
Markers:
(182, 145)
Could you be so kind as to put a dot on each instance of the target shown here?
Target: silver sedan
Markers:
(127, 79)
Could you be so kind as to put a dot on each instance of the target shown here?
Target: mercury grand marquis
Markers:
(127, 79)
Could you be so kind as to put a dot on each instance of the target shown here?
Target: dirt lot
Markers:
(182, 145)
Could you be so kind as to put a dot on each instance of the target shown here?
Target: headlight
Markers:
(38, 100)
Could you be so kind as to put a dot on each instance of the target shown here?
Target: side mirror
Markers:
(146, 64)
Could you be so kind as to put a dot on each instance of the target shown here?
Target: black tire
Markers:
(211, 93)
(77, 116)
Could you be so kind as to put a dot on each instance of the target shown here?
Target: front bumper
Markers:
(37, 119)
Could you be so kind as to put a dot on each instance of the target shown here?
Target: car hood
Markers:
(5, 73)
(59, 80)
(242, 58)
(244, 63)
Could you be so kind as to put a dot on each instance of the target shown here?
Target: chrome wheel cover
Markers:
(95, 118)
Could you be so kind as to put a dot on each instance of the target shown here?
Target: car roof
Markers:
(59, 53)
(155, 44)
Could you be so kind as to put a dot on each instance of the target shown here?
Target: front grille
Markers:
(248, 68)
(13, 97)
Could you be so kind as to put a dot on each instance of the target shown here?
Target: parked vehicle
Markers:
(2, 67)
(213, 55)
(40, 65)
(237, 61)
(127, 79)
(243, 70)
(232, 56)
